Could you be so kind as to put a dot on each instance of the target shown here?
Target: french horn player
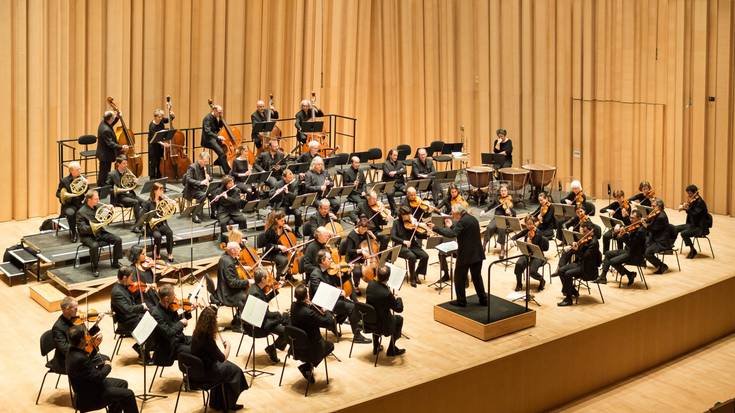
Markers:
(158, 226)
(92, 218)
(123, 183)
(71, 192)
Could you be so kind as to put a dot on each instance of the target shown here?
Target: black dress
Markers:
(217, 368)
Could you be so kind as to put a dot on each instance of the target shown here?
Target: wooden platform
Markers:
(505, 317)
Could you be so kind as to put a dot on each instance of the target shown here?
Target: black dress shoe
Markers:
(195, 219)
(74, 238)
(541, 285)
(272, 353)
(335, 331)
(662, 269)
(418, 279)
(377, 350)
(444, 278)
(482, 302)
(567, 301)
(458, 303)
(360, 339)
(631, 278)
(600, 280)
(519, 287)
(395, 351)
(692, 253)
(236, 407)
(413, 283)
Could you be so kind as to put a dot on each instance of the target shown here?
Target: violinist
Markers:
(308, 111)
(575, 223)
(126, 310)
(503, 146)
(72, 205)
(394, 171)
(305, 316)
(575, 197)
(161, 229)
(85, 217)
(275, 225)
(544, 214)
(197, 180)
(155, 150)
(345, 306)
(231, 289)
(379, 296)
(308, 156)
(660, 237)
(59, 331)
(88, 378)
(127, 199)
(632, 254)
(142, 271)
(405, 232)
(698, 222)
(107, 146)
(261, 115)
(240, 171)
(453, 197)
(588, 259)
(531, 236)
(415, 203)
(308, 261)
(620, 210)
(322, 218)
(646, 196)
(504, 207)
(284, 195)
(229, 205)
(354, 177)
(318, 180)
(169, 332)
(423, 168)
(274, 322)
(378, 216)
(350, 247)
(272, 161)
(211, 125)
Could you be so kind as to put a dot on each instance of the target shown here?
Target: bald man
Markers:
(211, 125)
(261, 115)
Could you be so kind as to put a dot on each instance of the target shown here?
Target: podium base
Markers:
(506, 317)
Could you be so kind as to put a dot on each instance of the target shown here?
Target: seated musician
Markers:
(503, 146)
(231, 289)
(322, 218)
(126, 307)
(60, 329)
(161, 229)
(229, 206)
(312, 153)
(88, 378)
(453, 197)
(308, 261)
(71, 206)
(345, 307)
(354, 177)
(308, 111)
(620, 210)
(410, 241)
(318, 180)
(274, 322)
(240, 171)
(197, 178)
(504, 207)
(85, 217)
(532, 236)
(283, 197)
(274, 251)
(216, 366)
(423, 168)
(635, 247)
(211, 126)
(646, 196)
(414, 202)
(155, 150)
(660, 237)
(273, 161)
(698, 222)
(575, 197)
(545, 219)
(169, 336)
(261, 115)
(394, 171)
(379, 296)
(575, 223)
(350, 247)
(378, 217)
(305, 316)
(588, 259)
(143, 271)
(127, 199)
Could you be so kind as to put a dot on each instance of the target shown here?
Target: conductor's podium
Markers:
(505, 317)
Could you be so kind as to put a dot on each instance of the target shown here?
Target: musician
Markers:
(394, 170)
(453, 197)
(127, 199)
(410, 241)
(169, 332)
(274, 322)
(344, 308)
(127, 311)
(143, 271)
(588, 259)
(231, 289)
(85, 217)
(632, 253)
(216, 366)
(88, 378)
(423, 168)
(211, 125)
(322, 218)
(545, 219)
(161, 229)
(155, 150)
(354, 177)
(318, 180)
(574, 224)
(271, 161)
(371, 207)
(470, 254)
(646, 196)
(261, 115)
(575, 197)
(308, 112)
(350, 248)
(229, 205)
(241, 170)
(503, 146)
(107, 146)
(71, 206)
(312, 153)
(698, 220)
(379, 296)
(197, 178)
(309, 261)
(660, 237)
(620, 210)
(504, 207)
(283, 197)
(275, 225)
(532, 236)
(69, 307)
(413, 201)
(305, 316)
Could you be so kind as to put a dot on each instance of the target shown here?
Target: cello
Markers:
(125, 137)
(288, 239)
(175, 160)
(276, 132)
(370, 267)
(232, 139)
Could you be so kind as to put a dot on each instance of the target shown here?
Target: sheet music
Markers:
(254, 311)
(397, 275)
(144, 328)
(447, 247)
(515, 295)
(326, 296)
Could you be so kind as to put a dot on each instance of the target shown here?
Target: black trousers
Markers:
(93, 243)
(616, 259)
(199, 196)
(492, 229)
(70, 213)
(687, 232)
(158, 233)
(651, 250)
(221, 160)
(154, 161)
(607, 237)
(280, 259)
(103, 171)
(443, 264)
(118, 397)
(548, 233)
(129, 200)
(277, 327)
(343, 308)
(325, 348)
(460, 278)
(398, 191)
(227, 218)
(395, 333)
(567, 274)
(522, 264)
(414, 254)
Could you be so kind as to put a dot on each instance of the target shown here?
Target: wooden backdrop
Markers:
(609, 91)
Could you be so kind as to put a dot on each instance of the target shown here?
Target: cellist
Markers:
(351, 248)
(275, 225)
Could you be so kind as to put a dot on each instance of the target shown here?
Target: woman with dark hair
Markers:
(145, 275)
(503, 146)
(275, 225)
(216, 366)
(161, 229)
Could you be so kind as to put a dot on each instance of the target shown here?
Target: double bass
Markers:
(319, 137)
(175, 160)
(275, 133)
(125, 137)
(232, 139)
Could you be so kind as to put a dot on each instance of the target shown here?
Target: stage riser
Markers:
(558, 371)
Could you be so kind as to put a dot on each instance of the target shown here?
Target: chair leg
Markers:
(643, 277)
(377, 353)
(178, 395)
(601, 296)
(326, 370)
(206, 400)
(41, 388)
(153, 378)
(161, 373)
(284, 367)
(677, 262)
(712, 251)
(351, 346)
(57, 382)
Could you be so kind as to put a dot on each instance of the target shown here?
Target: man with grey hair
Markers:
(318, 180)
(308, 111)
(69, 308)
(169, 332)
(354, 177)
(274, 322)
(155, 150)
(211, 125)
(71, 206)
(196, 184)
(423, 168)
(231, 289)
(107, 146)
(313, 152)
(261, 115)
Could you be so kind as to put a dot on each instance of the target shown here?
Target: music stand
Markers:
(163, 136)
(642, 209)
(148, 185)
(498, 160)
(431, 243)
(255, 206)
(305, 200)
(610, 222)
(389, 255)
(571, 237)
(312, 126)
(257, 177)
(449, 249)
(253, 314)
(486, 158)
(339, 191)
(263, 127)
(446, 176)
(378, 187)
(141, 333)
(299, 167)
(531, 251)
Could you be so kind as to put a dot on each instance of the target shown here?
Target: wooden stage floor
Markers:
(433, 350)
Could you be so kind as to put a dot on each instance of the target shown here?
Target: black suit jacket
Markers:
(377, 221)
(350, 245)
(379, 296)
(350, 175)
(306, 318)
(302, 117)
(65, 182)
(285, 199)
(697, 214)
(230, 286)
(107, 146)
(258, 117)
(306, 157)
(399, 233)
(548, 221)
(635, 244)
(169, 333)
(308, 261)
(317, 276)
(61, 341)
(424, 168)
(125, 311)
(590, 257)
(658, 230)
(266, 161)
(87, 378)
(467, 232)
(210, 129)
(400, 170)
(195, 174)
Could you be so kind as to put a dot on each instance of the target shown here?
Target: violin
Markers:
(92, 316)
(184, 307)
(380, 209)
(417, 227)
(506, 202)
(685, 205)
(584, 240)
(423, 205)
(579, 198)
(531, 234)
(137, 286)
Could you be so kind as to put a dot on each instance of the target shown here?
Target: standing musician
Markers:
(88, 378)
(309, 260)
(211, 125)
(322, 218)
(410, 242)
(660, 237)
(274, 322)
(197, 179)
(162, 229)
(532, 236)
(545, 219)
(423, 168)
(354, 177)
(345, 307)
(588, 258)
(127, 199)
(142, 271)
(241, 170)
(394, 170)
(575, 197)
(698, 221)
(318, 180)
(378, 217)
(620, 210)
(271, 161)
(503, 146)
(107, 146)
(229, 205)
(312, 153)
(470, 255)
(379, 296)
(504, 208)
(126, 311)
(308, 111)
(350, 248)
(307, 317)
(169, 332)
(283, 196)
(231, 289)
(71, 206)
(275, 225)
(261, 115)
(60, 330)
(634, 238)
(155, 150)
(85, 217)
(646, 196)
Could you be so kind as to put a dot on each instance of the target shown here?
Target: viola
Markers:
(582, 241)
(379, 209)
(184, 306)
(138, 286)
(92, 316)
(506, 202)
(461, 201)
(531, 234)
